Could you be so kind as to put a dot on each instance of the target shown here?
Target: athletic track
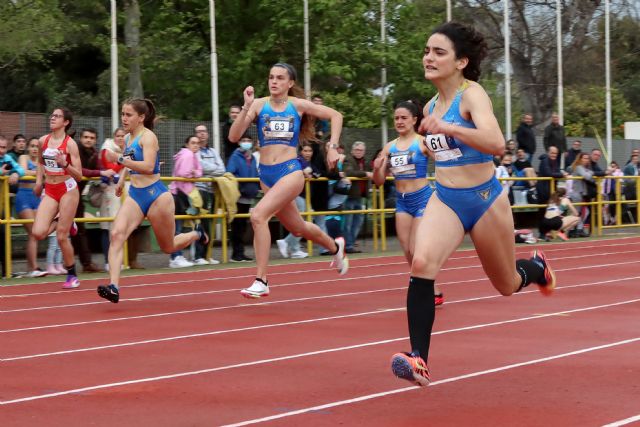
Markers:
(184, 349)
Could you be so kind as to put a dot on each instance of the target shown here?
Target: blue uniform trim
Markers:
(278, 127)
(415, 156)
(470, 203)
(145, 196)
(134, 152)
(415, 202)
(270, 174)
(25, 199)
(470, 155)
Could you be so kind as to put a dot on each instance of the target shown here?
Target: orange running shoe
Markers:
(410, 367)
(548, 283)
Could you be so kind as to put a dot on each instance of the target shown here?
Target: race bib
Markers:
(399, 160)
(444, 148)
(70, 184)
(400, 165)
(50, 163)
(279, 128)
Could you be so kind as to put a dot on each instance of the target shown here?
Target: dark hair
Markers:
(467, 43)
(557, 195)
(186, 141)
(118, 129)
(90, 130)
(18, 136)
(66, 115)
(414, 108)
(307, 124)
(145, 108)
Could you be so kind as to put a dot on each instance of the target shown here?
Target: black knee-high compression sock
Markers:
(71, 270)
(530, 271)
(421, 312)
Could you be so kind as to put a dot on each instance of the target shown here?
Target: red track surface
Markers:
(186, 349)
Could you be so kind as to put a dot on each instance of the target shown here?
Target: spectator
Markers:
(560, 216)
(290, 245)
(636, 152)
(8, 166)
(356, 167)
(510, 147)
(242, 164)
(212, 166)
(19, 147)
(504, 171)
(319, 189)
(186, 164)
(229, 147)
(90, 168)
(584, 190)
(339, 188)
(609, 192)
(554, 135)
(322, 126)
(525, 135)
(570, 156)
(549, 167)
(109, 202)
(26, 204)
(522, 168)
(631, 169)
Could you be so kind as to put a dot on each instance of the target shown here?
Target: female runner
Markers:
(282, 118)
(463, 135)
(27, 203)
(148, 196)
(60, 169)
(407, 160)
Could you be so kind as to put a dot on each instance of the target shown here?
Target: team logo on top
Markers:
(290, 166)
(484, 194)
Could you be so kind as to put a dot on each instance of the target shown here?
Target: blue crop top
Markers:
(408, 164)
(278, 128)
(134, 152)
(449, 151)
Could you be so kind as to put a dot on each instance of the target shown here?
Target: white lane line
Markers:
(297, 356)
(520, 251)
(623, 422)
(339, 279)
(435, 383)
(208, 309)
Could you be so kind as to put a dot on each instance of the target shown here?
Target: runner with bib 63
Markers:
(463, 135)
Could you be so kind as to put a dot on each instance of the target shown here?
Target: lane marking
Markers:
(623, 422)
(435, 383)
(338, 279)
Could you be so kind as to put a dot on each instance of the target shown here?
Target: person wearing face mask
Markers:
(243, 164)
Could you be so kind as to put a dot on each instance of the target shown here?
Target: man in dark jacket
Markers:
(525, 136)
(554, 135)
(550, 167)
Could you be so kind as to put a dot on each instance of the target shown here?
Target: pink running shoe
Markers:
(439, 299)
(71, 283)
(74, 229)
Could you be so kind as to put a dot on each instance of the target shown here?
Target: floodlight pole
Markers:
(383, 76)
(307, 63)
(115, 122)
(607, 64)
(507, 71)
(215, 109)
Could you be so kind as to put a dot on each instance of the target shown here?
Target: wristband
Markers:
(243, 108)
(120, 160)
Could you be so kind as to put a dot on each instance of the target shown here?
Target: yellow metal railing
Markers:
(377, 211)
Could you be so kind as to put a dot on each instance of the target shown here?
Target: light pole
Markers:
(607, 72)
(507, 71)
(559, 49)
(215, 113)
(115, 122)
(383, 76)
(307, 64)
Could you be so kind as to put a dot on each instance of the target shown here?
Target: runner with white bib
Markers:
(59, 169)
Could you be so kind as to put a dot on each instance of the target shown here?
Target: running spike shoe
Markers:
(71, 283)
(340, 259)
(410, 367)
(110, 293)
(258, 289)
(548, 283)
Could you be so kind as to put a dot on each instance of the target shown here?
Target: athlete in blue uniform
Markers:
(463, 135)
(407, 158)
(282, 120)
(147, 195)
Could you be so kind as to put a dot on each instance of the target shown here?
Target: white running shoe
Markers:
(283, 248)
(36, 273)
(340, 259)
(299, 254)
(213, 261)
(257, 289)
(200, 261)
(180, 262)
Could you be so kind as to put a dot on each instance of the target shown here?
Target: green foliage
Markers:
(585, 111)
